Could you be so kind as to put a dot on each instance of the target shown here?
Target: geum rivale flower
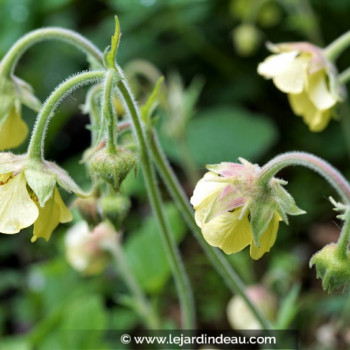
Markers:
(302, 71)
(29, 195)
(234, 210)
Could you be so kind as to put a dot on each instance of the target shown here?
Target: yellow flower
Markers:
(29, 196)
(13, 93)
(87, 251)
(234, 212)
(310, 80)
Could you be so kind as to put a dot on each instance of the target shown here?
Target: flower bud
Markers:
(88, 209)
(112, 168)
(240, 316)
(331, 267)
(246, 39)
(86, 251)
(115, 208)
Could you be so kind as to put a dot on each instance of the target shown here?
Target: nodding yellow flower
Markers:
(29, 196)
(13, 93)
(302, 71)
(234, 211)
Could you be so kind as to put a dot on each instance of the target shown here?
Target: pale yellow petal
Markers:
(276, 64)
(315, 119)
(50, 216)
(320, 120)
(267, 239)
(227, 232)
(65, 214)
(206, 188)
(292, 80)
(17, 210)
(318, 91)
(204, 194)
(13, 130)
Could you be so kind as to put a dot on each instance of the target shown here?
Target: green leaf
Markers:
(288, 309)
(145, 252)
(114, 45)
(225, 133)
(152, 103)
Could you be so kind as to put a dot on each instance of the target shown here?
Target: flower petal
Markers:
(206, 189)
(318, 91)
(17, 210)
(227, 232)
(50, 216)
(302, 106)
(276, 64)
(13, 130)
(266, 240)
(292, 80)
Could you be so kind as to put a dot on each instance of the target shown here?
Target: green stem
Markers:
(334, 49)
(10, 60)
(180, 276)
(35, 148)
(344, 76)
(343, 241)
(219, 262)
(143, 306)
(91, 108)
(107, 110)
(332, 175)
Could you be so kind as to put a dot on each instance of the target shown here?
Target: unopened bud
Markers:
(112, 168)
(115, 208)
(331, 267)
(88, 209)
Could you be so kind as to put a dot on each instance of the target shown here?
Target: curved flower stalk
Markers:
(29, 195)
(234, 210)
(303, 71)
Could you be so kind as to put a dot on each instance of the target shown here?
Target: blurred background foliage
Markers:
(216, 109)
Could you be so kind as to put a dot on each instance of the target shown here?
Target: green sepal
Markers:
(284, 200)
(40, 181)
(26, 95)
(262, 211)
(112, 168)
(65, 181)
(110, 56)
(152, 103)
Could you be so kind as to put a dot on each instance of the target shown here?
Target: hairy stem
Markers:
(36, 145)
(334, 49)
(320, 166)
(107, 111)
(180, 276)
(10, 60)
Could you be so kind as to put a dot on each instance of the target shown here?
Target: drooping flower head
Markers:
(233, 210)
(13, 93)
(29, 195)
(303, 72)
